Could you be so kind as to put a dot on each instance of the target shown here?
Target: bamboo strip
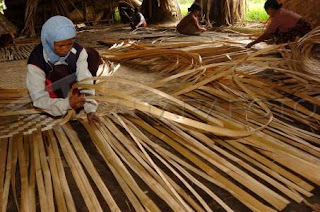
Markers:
(259, 138)
(198, 197)
(3, 161)
(26, 149)
(131, 196)
(24, 204)
(199, 184)
(21, 112)
(90, 167)
(173, 157)
(292, 140)
(6, 185)
(139, 169)
(301, 133)
(46, 175)
(244, 197)
(130, 161)
(301, 183)
(162, 94)
(65, 187)
(78, 173)
(145, 107)
(179, 176)
(112, 159)
(14, 160)
(271, 172)
(32, 176)
(223, 71)
(163, 178)
(130, 147)
(278, 145)
(267, 194)
(263, 176)
(39, 174)
(58, 192)
(285, 89)
(288, 102)
(296, 164)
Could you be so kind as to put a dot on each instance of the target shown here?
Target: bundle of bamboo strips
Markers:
(235, 120)
(16, 52)
(305, 53)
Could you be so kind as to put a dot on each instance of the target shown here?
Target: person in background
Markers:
(137, 20)
(189, 25)
(284, 25)
(55, 64)
(126, 11)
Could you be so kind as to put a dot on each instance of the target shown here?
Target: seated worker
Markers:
(55, 65)
(189, 25)
(284, 25)
(137, 20)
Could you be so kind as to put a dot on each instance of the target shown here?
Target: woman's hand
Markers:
(76, 101)
(93, 117)
(202, 29)
(249, 45)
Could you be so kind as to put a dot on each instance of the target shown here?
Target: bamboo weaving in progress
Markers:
(211, 115)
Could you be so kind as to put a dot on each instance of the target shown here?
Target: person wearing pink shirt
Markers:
(284, 25)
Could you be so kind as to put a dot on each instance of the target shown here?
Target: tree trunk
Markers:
(223, 12)
(161, 11)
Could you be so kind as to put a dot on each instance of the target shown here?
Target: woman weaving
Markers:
(55, 64)
(284, 25)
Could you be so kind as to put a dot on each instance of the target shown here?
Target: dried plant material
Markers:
(182, 118)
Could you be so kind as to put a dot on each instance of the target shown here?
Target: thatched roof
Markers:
(6, 26)
(31, 14)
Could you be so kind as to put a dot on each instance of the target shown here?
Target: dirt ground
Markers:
(13, 75)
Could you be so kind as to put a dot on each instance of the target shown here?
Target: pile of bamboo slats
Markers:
(16, 52)
(241, 120)
(306, 54)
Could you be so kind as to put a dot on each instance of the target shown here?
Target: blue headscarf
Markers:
(56, 28)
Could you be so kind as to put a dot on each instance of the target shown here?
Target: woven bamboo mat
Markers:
(16, 52)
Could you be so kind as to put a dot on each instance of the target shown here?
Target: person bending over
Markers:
(55, 65)
(284, 25)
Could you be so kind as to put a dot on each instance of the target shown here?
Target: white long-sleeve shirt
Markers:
(58, 106)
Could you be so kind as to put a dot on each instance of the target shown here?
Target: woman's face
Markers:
(196, 12)
(271, 11)
(62, 48)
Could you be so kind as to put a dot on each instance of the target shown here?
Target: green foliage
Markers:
(256, 1)
(117, 17)
(257, 14)
(184, 9)
(187, 2)
(256, 11)
(1, 6)
(184, 5)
